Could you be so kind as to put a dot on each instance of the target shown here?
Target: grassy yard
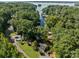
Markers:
(29, 50)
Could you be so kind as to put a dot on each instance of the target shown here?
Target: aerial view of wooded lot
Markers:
(39, 29)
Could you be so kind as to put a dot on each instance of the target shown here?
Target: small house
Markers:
(15, 38)
(42, 46)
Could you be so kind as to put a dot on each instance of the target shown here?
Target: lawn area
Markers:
(29, 50)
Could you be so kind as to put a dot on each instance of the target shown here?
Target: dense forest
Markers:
(23, 17)
(63, 22)
(60, 33)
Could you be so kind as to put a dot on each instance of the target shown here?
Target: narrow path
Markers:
(20, 49)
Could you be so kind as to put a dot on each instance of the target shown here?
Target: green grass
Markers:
(29, 50)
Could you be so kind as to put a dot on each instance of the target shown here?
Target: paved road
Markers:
(20, 49)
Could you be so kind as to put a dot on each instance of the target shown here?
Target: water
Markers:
(43, 5)
(41, 20)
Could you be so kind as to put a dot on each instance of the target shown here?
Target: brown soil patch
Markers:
(53, 55)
